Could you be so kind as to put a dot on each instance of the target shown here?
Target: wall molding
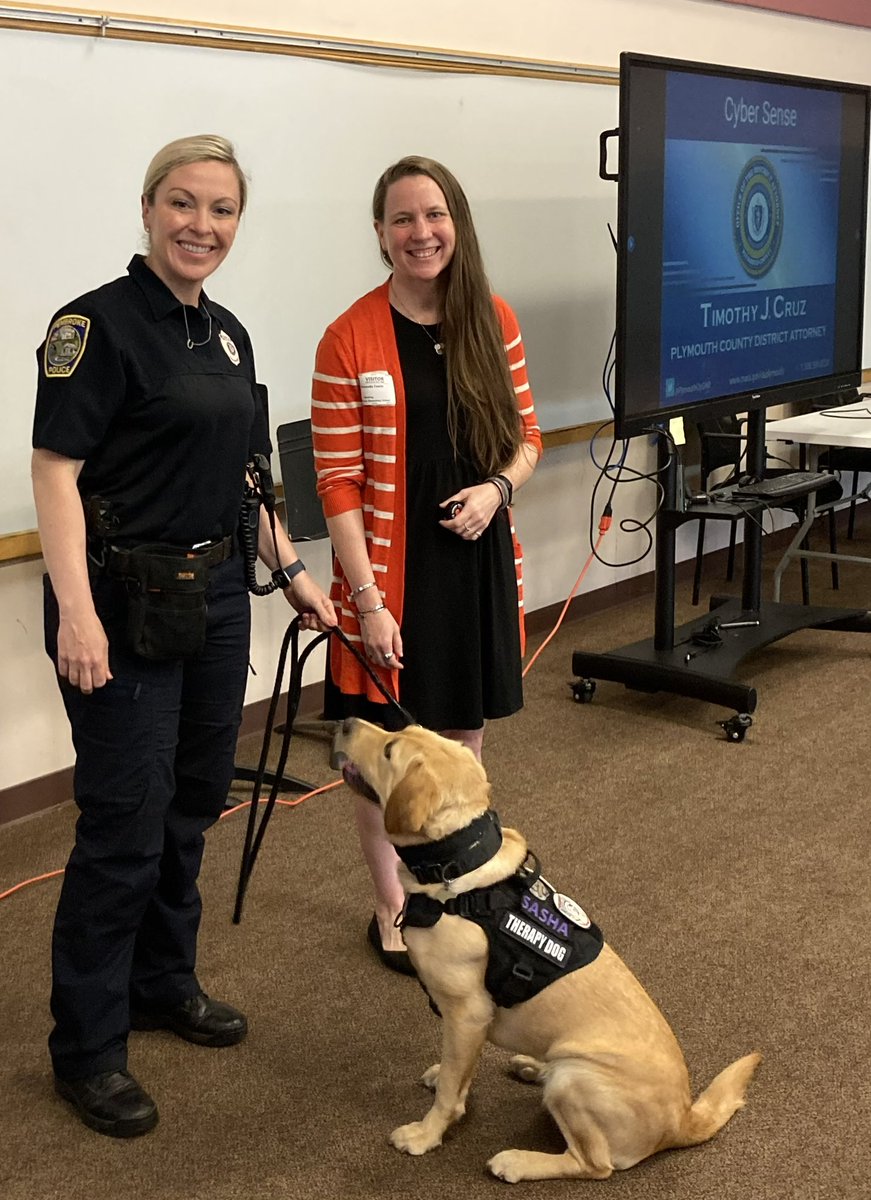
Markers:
(38, 795)
(115, 26)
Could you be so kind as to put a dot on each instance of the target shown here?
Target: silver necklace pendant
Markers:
(439, 345)
(190, 342)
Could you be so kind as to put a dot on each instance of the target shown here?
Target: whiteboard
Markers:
(84, 116)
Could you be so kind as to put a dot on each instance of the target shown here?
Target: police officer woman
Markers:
(147, 414)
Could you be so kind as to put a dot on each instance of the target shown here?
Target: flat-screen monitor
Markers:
(742, 202)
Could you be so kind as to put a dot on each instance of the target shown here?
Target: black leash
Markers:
(255, 833)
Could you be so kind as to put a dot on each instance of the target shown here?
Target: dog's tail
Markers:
(720, 1100)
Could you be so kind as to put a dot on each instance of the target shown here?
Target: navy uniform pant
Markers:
(154, 763)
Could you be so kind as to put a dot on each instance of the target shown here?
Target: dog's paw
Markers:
(430, 1078)
(528, 1069)
(507, 1166)
(415, 1138)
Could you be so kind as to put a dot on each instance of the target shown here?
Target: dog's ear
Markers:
(412, 801)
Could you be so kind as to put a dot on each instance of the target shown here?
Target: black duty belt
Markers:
(117, 558)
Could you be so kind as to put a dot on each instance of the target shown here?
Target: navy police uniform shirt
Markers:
(165, 431)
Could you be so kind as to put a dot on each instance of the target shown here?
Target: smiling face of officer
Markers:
(192, 223)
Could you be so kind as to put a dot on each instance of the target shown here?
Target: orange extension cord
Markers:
(604, 526)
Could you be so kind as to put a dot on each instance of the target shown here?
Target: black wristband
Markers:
(285, 576)
(509, 485)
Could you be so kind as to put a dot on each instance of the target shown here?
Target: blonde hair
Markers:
(203, 147)
(479, 379)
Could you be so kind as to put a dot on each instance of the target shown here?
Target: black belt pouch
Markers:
(166, 586)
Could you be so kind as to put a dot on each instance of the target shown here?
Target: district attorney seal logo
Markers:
(757, 217)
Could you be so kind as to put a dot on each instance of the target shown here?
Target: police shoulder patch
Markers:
(65, 344)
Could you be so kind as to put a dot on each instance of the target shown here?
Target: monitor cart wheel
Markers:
(583, 690)
(736, 727)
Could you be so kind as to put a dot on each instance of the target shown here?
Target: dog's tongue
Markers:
(356, 782)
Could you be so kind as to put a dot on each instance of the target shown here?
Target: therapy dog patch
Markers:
(544, 922)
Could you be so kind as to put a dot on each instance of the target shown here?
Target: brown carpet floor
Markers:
(734, 879)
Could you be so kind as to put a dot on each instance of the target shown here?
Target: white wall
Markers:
(553, 511)
(580, 31)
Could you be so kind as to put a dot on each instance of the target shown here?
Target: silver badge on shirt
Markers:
(229, 348)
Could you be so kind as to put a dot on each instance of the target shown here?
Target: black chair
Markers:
(721, 446)
(842, 460)
(304, 521)
(304, 515)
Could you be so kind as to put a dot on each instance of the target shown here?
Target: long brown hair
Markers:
(480, 389)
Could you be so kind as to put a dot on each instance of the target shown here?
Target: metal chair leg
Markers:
(700, 550)
(730, 564)
(851, 521)
(833, 549)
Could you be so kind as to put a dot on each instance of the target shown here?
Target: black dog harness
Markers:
(536, 935)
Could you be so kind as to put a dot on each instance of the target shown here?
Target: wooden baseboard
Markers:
(37, 795)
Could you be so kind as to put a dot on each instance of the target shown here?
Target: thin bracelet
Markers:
(364, 587)
(365, 612)
(509, 485)
(500, 486)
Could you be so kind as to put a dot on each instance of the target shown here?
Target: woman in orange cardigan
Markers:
(423, 429)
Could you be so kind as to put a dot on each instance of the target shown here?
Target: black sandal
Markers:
(396, 960)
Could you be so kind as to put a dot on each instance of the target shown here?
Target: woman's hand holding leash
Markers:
(313, 605)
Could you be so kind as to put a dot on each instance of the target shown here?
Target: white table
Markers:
(847, 426)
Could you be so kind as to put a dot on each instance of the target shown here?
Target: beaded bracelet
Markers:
(365, 612)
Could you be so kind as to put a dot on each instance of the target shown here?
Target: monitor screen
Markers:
(741, 240)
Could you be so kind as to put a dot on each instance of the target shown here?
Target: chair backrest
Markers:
(721, 444)
(304, 514)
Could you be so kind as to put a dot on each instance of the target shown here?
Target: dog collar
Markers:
(457, 854)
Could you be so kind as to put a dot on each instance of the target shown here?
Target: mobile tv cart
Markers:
(699, 659)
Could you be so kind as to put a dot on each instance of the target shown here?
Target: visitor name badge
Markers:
(376, 387)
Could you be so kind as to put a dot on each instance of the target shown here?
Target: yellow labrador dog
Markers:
(614, 1077)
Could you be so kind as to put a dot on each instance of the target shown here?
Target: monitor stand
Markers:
(700, 659)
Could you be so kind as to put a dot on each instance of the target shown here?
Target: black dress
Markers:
(460, 624)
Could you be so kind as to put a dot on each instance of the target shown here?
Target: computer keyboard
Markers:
(792, 483)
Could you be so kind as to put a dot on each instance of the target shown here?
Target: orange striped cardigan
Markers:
(358, 432)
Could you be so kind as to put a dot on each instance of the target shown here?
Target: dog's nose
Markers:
(337, 754)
